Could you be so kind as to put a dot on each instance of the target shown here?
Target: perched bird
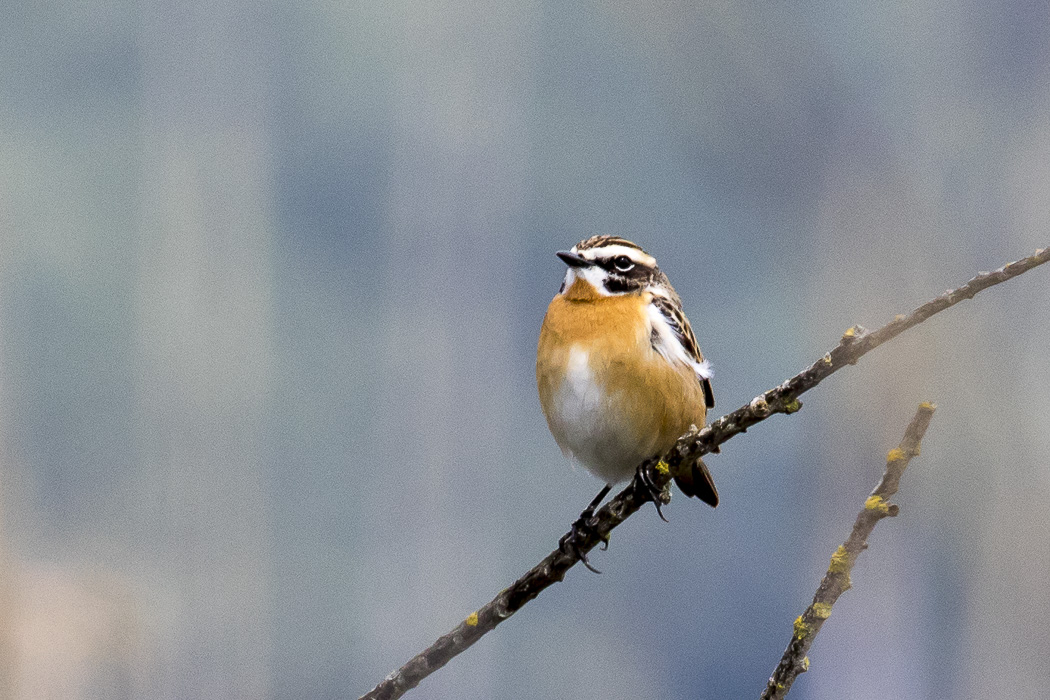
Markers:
(619, 372)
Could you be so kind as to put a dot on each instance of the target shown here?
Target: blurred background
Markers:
(271, 276)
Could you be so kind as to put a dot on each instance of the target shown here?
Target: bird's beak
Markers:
(572, 259)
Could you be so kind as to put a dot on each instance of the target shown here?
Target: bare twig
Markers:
(837, 579)
(855, 343)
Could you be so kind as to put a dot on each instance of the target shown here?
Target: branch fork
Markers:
(854, 344)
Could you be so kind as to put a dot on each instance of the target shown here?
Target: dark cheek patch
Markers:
(634, 279)
(618, 285)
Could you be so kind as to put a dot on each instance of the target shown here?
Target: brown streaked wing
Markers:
(672, 311)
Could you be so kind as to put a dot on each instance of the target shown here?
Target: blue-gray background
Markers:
(270, 281)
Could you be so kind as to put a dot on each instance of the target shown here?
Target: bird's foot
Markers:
(580, 532)
(659, 496)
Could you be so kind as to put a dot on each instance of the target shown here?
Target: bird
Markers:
(619, 371)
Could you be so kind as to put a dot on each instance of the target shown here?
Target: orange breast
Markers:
(646, 402)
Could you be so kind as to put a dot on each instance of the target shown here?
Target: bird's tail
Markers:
(696, 482)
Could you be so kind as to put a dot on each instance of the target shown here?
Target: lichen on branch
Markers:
(854, 344)
(836, 580)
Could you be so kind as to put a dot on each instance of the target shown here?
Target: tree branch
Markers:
(855, 343)
(837, 579)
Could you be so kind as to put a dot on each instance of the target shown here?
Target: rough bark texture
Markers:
(837, 579)
(854, 344)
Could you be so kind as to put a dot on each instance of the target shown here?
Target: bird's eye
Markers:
(623, 263)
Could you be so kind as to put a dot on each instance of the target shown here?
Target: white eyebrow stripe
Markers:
(611, 251)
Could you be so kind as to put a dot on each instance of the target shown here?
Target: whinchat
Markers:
(619, 371)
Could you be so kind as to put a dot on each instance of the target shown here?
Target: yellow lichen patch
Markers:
(850, 332)
(822, 610)
(895, 455)
(805, 664)
(877, 504)
(663, 467)
(472, 620)
(840, 561)
(801, 628)
(792, 405)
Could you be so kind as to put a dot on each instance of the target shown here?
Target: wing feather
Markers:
(677, 342)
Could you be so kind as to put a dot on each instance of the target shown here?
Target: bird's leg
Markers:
(659, 496)
(570, 542)
(588, 512)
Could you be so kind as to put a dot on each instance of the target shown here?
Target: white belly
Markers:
(588, 429)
